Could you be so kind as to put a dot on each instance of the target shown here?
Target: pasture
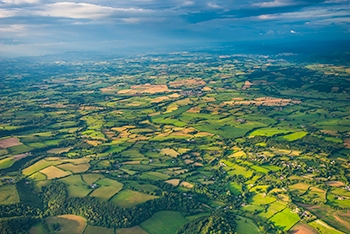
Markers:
(245, 226)
(153, 175)
(96, 230)
(8, 194)
(133, 230)
(39, 166)
(75, 168)
(128, 198)
(69, 224)
(107, 188)
(9, 142)
(285, 219)
(75, 186)
(91, 178)
(322, 227)
(164, 222)
(52, 172)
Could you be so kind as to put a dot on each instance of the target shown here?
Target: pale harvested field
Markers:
(247, 85)
(69, 224)
(195, 109)
(174, 182)
(59, 150)
(169, 152)
(302, 228)
(186, 184)
(145, 88)
(75, 168)
(53, 172)
(159, 99)
(9, 142)
(174, 95)
(347, 143)
(188, 161)
(19, 156)
(334, 183)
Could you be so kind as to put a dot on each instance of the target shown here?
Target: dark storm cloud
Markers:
(57, 25)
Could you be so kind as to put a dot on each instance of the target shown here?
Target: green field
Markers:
(154, 176)
(7, 162)
(39, 166)
(164, 222)
(285, 219)
(8, 194)
(324, 228)
(91, 178)
(293, 136)
(107, 188)
(235, 188)
(132, 230)
(75, 186)
(96, 230)
(269, 132)
(128, 198)
(245, 226)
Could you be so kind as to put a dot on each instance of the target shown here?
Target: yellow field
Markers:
(159, 99)
(75, 168)
(69, 224)
(59, 150)
(174, 182)
(52, 172)
(169, 152)
(186, 184)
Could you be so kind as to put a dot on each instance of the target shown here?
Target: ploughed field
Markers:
(148, 145)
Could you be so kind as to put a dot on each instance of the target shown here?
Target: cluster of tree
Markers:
(17, 225)
(68, 142)
(217, 223)
(103, 213)
(18, 209)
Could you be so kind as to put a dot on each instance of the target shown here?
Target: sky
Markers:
(39, 27)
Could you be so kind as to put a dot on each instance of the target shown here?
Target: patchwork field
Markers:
(9, 142)
(69, 224)
(164, 222)
(96, 230)
(107, 188)
(8, 194)
(52, 172)
(128, 198)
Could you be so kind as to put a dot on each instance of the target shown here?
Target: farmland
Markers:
(149, 144)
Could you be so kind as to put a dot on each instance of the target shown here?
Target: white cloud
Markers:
(313, 13)
(20, 2)
(293, 32)
(7, 13)
(276, 3)
(266, 17)
(215, 6)
(85, 11)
